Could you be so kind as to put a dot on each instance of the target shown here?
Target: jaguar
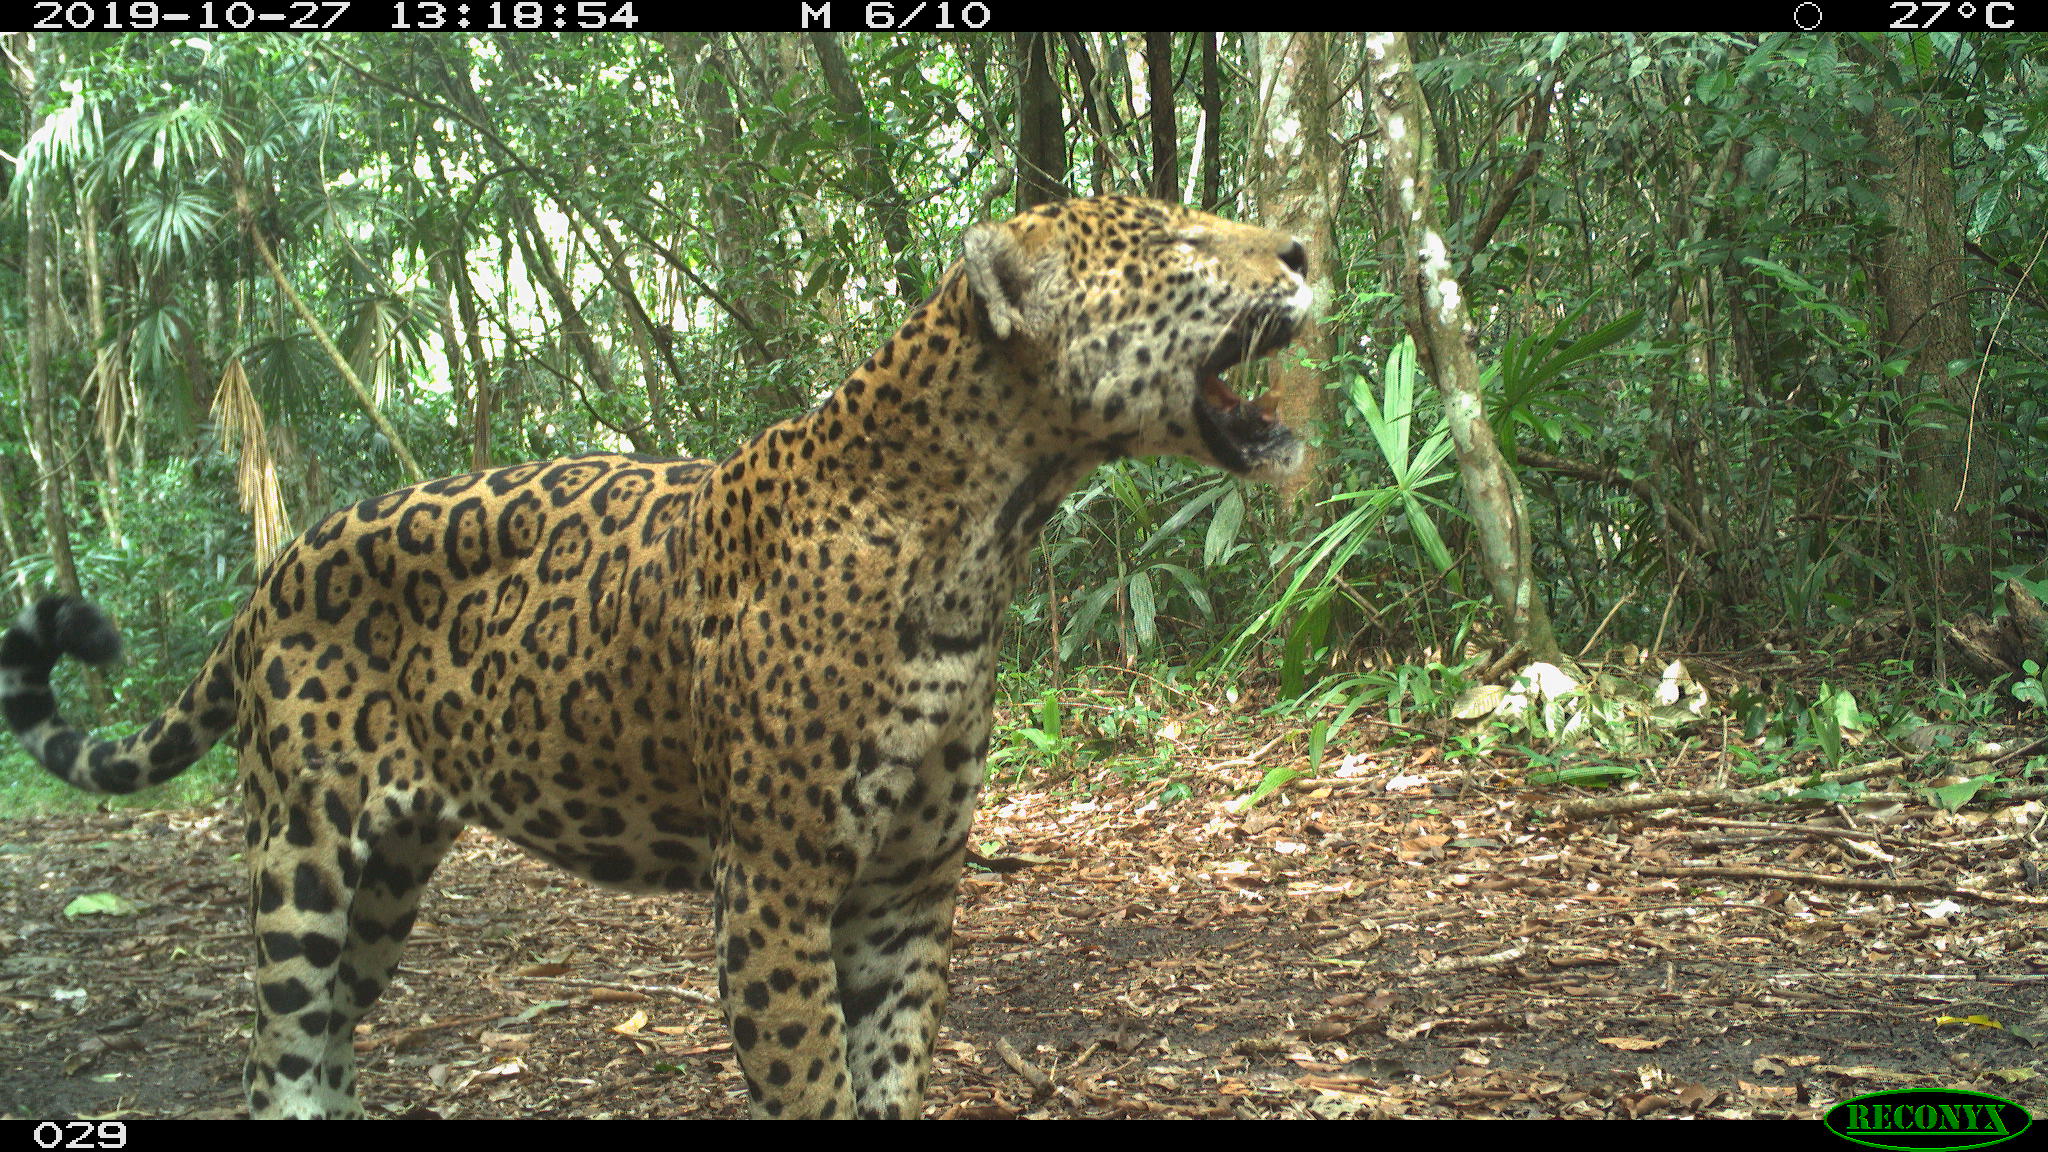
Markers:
(770, 677)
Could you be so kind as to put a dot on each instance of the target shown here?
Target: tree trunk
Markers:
(1918, 274)
(253, 228)
(1296, 155)
(11, 536)
(1041, 128)
(31, 64)
(1089, 82)
(1442, 328)
(540, 260)
(34, 59)
(113, 414)
(743, 232)
(465, 384)
(658, 368)
(1212, 124)
(870, 165)
(481, 371)
(1165, 127)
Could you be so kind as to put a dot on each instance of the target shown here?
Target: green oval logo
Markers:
(1924, 1119)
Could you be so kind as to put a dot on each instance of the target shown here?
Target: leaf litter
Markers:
(1414, 938)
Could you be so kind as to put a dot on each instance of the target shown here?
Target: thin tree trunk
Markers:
(540, 260)
(36, 59)
(455, 267)
(461, 387)
(1212, 124)
(10, 535)
(482, 373)
(1041, 139)
(873, 172)
(109, 376)
(1918, 274)
(1165, 127)
(657, 364)
(31, 64)
(1442, 328)
(1296, 154)
(1089, 83)
(741, 228)
(244, 208)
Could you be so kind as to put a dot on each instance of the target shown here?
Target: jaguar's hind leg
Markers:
(336, 880)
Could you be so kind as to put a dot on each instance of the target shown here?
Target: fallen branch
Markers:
(1041, 1084)
(1702, 798)
(1466, 963)
(1987, 796)
(690, 994)
(1829, 880)
(1251, 760)
(405, 1038)
(1848, 833)
(1921, 977)
(2030, 746)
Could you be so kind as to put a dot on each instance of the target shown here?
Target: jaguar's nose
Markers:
(1295, 256)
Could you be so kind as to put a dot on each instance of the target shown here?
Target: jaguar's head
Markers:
(1127, 314)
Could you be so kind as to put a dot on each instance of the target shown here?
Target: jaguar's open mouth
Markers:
(1244, 434)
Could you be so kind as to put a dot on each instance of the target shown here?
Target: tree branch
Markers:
(1539, 123)
(1637, 486)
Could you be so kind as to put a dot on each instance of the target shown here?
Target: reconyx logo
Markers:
(1926, 1120)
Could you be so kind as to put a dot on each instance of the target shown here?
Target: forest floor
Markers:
(1411, 938)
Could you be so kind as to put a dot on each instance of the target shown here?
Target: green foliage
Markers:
(1276, 778)
(1403, 694)
(2028, 689)
(1596, 775)
(1952, 797)
(1678, 299)
(1534, 384)
(1393, 528)
(1139, 559)
(1029, 745)
(1143, 577)
(1325, 572)
(1071, 731)
(1833, 714)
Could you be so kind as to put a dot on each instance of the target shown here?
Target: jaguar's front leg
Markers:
(891, 941)
(779, 989)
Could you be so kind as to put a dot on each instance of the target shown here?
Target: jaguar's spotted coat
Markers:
(769, 677)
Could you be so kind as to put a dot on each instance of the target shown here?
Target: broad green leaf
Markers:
(1953, 796)
(1275, 779)
(101, 904)
(1223, 526)
(1144, 612)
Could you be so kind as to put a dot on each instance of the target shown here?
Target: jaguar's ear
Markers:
(998, 272)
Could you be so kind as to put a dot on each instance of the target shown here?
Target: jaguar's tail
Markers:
(62, 626)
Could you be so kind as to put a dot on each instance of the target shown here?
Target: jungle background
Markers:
(1680, 422)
